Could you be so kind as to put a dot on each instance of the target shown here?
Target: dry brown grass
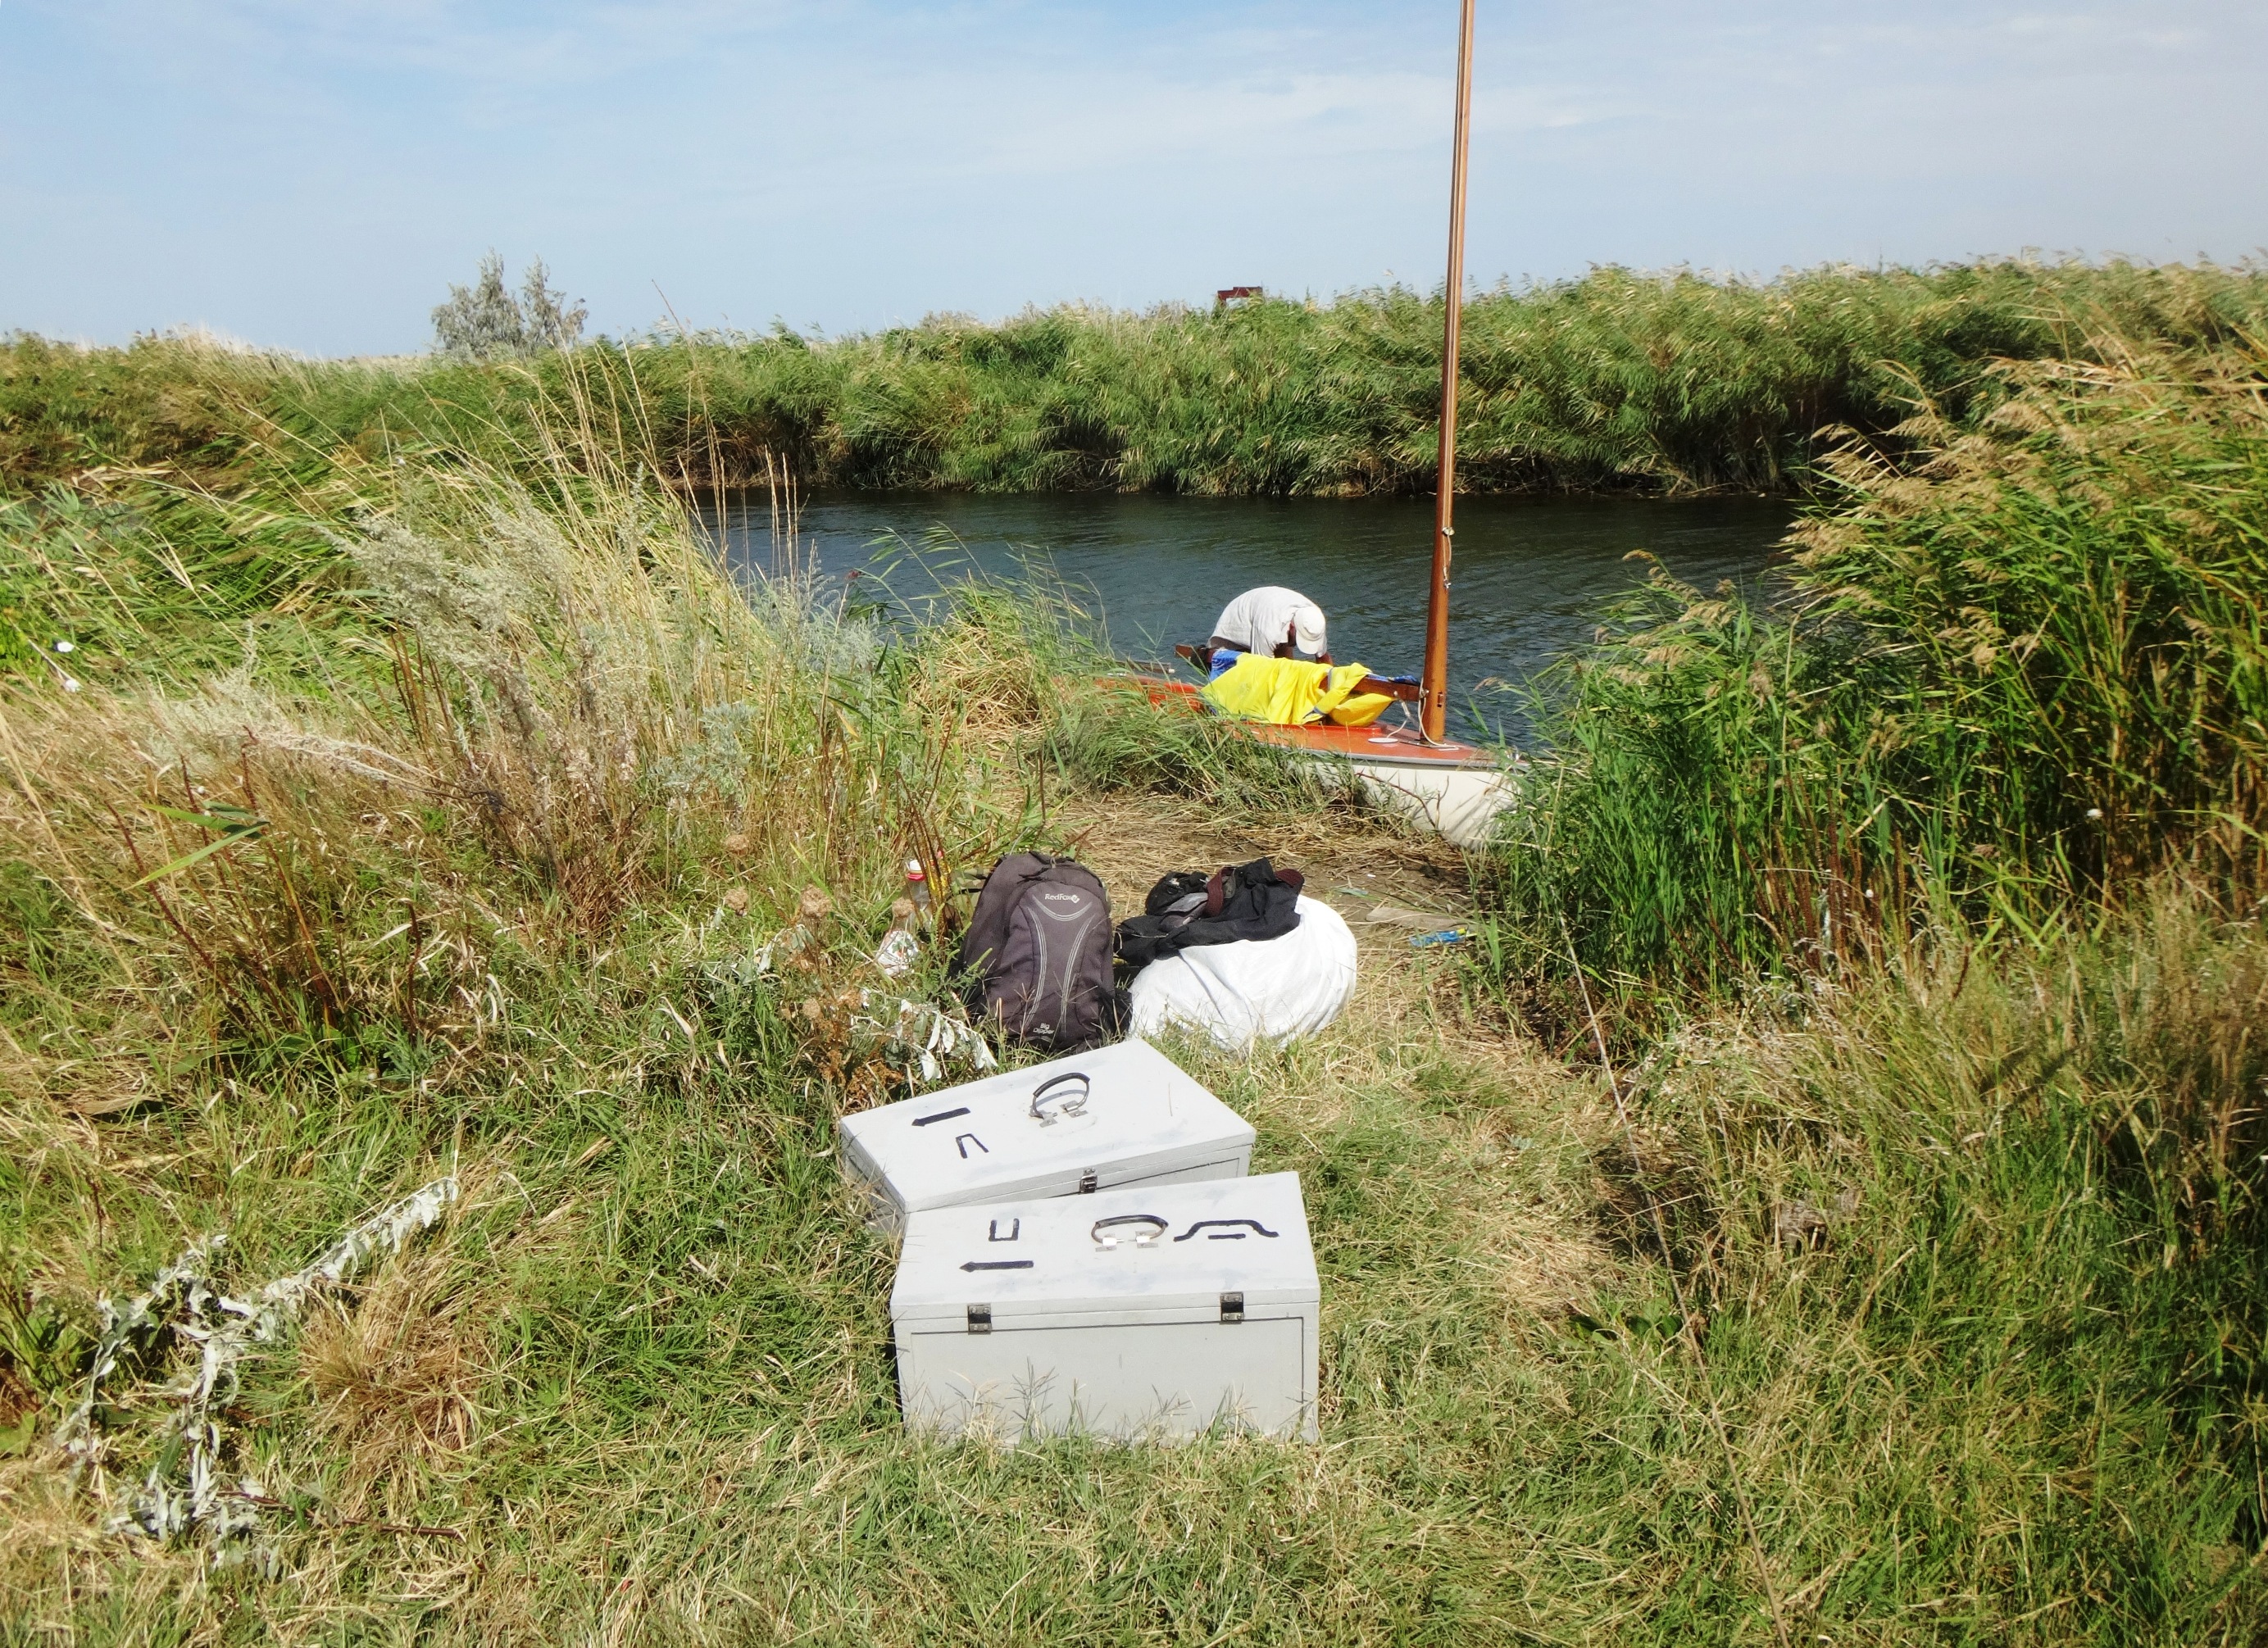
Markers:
(1131, 841)
(395, 1375)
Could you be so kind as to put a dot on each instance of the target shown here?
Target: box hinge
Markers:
(1086, 1182)
(980, 1317)
(1232, 1307)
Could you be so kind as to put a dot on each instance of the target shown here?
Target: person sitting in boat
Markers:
(1271, 621)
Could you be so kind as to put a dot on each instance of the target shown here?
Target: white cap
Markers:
(1307, 627)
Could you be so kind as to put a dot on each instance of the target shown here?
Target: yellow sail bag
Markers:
(1288, 692)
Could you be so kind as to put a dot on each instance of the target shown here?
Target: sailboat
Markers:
(1454, 788)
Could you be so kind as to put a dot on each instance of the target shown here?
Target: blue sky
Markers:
(314, 175)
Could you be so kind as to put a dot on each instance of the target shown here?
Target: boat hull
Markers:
(1461, 805)
(1454, 790)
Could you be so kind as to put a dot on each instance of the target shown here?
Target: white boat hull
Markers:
(1458, 803)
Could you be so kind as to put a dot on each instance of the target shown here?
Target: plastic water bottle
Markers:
(902, 945)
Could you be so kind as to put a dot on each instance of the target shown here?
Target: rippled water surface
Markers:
(1529, 572)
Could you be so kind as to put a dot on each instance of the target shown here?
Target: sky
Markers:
(313, 176)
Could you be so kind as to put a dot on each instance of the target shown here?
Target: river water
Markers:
(1529, 576)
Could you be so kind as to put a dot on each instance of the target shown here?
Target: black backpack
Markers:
(1188, 908)
(1036, 956)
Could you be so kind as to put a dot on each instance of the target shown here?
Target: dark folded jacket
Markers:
(1188, 908)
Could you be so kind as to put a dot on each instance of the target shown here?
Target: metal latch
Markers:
(1086, 1182)
(980, 1316)
(1232, 1308)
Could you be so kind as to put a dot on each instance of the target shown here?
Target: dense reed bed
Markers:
(1672, 383)
(457, 819)
(2012, 672)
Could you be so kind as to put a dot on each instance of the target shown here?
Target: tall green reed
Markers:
(529, 701)
(1669, 383)
(2000, 1214)
(2022, 670)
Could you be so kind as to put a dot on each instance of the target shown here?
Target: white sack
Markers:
(1254, 990)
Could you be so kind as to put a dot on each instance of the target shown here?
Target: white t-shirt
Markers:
(1260, 619)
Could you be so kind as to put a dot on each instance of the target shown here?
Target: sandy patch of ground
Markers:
(1132, 841)
(1509, 1131)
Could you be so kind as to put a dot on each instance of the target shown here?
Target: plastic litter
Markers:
(897, 953)
(1274, 989)
(1446, 936)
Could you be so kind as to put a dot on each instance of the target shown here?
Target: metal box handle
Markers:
(1155, 1227)
(1048, 1110)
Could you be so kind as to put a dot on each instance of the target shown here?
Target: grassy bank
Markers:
(436, 820)
(1619, 381)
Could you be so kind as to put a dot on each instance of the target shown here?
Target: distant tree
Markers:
(552, 322)
(484, 322)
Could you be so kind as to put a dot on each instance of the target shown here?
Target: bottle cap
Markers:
(914, 872)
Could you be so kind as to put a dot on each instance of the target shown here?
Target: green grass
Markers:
(511, 784)
(1991, 1411)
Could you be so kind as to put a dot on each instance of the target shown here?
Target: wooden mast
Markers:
(1433, 709)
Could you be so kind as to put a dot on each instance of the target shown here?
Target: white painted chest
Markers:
(1118, 1115)
(1146, 1313)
